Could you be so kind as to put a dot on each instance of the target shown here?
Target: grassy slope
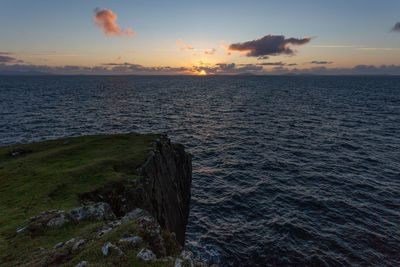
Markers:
(52, 176)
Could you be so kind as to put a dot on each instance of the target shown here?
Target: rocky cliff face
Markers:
(167, 176)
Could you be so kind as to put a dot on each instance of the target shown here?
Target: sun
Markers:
(202, 72)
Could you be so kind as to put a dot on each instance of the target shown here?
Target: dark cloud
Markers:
(227, 68)
(321, 62)
(292, 64)
(396, 27)
(263, 58)
(272, 64)
(5, 53)
(268, 45)
(8, 59)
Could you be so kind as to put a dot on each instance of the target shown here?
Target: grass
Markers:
(51, 175)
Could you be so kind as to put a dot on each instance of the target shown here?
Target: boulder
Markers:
(110, 248)
(98, 211)
(146, 255)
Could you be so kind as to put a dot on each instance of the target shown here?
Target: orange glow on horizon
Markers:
(202, 72)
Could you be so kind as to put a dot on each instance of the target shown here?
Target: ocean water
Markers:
(286, 170)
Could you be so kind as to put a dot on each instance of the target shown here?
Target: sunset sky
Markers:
(193, 37)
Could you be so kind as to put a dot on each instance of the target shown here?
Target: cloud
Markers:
(5, 53)
(129, 32)
(127, 68)
(8, 59)
(271, 45)
(263, 58)
(378, 48)
(105, 19)
(272, 64)
(396, 27)
(186, 47)
(210, 52)
(179, 42)
(321, 62)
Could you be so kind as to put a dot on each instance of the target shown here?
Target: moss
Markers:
(55, 175)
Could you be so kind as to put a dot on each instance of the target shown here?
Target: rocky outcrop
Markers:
(167, 176)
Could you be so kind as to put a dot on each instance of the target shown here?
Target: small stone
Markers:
(104, 231)
(146, 255)
(58, 245)
(21, 229)
(131, 240)
(81, 264)
(110, 248)
(78, 244)
(114, 223)
(70, 241)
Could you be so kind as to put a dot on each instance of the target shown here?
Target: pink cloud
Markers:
(105, 19)
(186, 47)
(210, 52)
(179, 42)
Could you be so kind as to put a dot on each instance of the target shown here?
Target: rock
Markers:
(104, 231)
(79, 243)
(167, 179)
(81, 264)
(178, 262)
(58, 221)
(132, 215)
(134, 240)
(110, 248)
(188, 256)
(152, 231)
(146, 255)
(70, 241)
(114, 223)
(58, 245)
(98, 211)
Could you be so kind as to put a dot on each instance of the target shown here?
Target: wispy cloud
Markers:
(105, 19)
(210, 51)
(321, 62)
(269, 45)
(332, 46)
(186, 47)
(378, 49)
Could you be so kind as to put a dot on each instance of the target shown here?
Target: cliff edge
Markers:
(99, 200)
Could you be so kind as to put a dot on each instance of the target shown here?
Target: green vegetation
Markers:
(53, 174)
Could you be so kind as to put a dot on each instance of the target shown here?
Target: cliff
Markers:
(95, 200)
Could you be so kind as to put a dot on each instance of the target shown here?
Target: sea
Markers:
(287, 170)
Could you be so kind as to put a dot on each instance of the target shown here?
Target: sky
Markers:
(200, 37)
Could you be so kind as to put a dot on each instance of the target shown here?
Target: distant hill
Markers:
(23, 73)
